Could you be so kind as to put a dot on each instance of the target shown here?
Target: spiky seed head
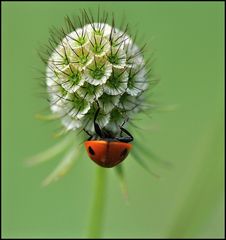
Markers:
(95, 65)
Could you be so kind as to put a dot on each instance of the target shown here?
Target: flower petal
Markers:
(108, 102)
(71, 123)
(98, 72)
(76, 106)
(101, 29)
(76, 39)
(90, 92)
(117, 57)
(137, 81)
(117, 83)
(71, 78)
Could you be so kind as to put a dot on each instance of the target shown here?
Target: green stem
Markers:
(98, 204)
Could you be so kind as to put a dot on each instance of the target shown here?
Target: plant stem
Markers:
(98, 204)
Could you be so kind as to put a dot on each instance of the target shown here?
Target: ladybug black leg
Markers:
(125, 139)
(122, 126)
(90, 136)
(96, 126)
(127, 132)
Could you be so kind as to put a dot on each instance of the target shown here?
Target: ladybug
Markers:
(106, 150)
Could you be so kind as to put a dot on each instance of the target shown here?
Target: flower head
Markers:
(95, 64)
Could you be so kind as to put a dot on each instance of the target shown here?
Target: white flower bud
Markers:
(96, 65)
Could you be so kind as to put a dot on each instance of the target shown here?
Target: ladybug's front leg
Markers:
(96, 126)
(90, 136)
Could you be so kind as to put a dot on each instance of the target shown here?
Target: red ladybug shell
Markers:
(107, 153)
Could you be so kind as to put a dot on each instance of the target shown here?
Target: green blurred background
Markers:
(188, 200)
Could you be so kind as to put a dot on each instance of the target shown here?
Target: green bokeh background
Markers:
(188, 200)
